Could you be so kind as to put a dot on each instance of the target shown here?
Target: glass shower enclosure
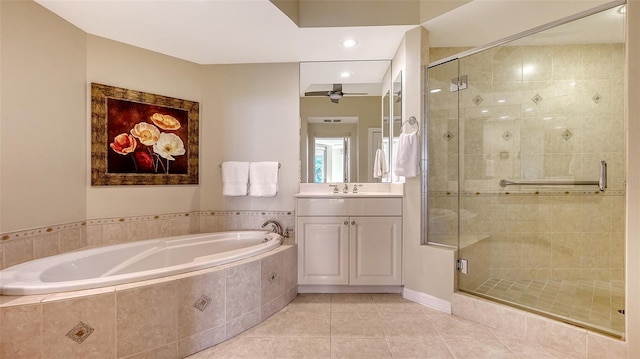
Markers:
(520, 140)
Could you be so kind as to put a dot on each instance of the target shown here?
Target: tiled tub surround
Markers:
(23, 246)
(166, 318)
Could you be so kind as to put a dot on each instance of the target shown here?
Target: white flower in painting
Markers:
(169, 145)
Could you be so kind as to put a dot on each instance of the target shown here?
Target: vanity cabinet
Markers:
(349, 241)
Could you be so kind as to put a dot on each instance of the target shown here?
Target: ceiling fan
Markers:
(335, 94)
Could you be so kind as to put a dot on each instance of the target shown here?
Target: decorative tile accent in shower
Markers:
(448, 136)
(566, 134)
(537, 99)
(80, 332)
(477, 100)
(596, 98)
(506, 135)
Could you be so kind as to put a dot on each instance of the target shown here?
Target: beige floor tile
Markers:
(305, 324)
(394, 303)
(423, 348)
(243, 348)
(479, 348)
(302, 348)
(456, 328)
(531, 351)
(356, 325)
(268, 328)
(356, 348)
(355, 302)
(407, 325)
(310, 303)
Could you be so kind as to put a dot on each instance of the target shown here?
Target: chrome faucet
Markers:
(346, 188)
(276, 226)
(355, 188)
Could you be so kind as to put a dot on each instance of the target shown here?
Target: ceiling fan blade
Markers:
(317, 93)
(355, 93)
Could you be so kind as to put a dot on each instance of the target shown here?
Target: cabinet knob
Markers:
(353, 223)
(346, 223)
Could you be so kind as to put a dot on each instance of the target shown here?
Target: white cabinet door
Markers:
(376, 251)
(323, 250)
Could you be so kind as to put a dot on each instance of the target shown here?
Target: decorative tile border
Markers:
(27, 233)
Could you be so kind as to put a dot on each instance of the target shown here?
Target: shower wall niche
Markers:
(545, 108)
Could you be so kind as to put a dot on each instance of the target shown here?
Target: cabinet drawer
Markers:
(349, 207)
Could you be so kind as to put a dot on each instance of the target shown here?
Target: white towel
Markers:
(263, 179)
(407, 156)
(235, 178)
(380, 164)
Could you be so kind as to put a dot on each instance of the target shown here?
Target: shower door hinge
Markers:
(458, 83)
(462, 265)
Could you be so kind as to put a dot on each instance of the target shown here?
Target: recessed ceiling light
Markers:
(345, 74)
(349, 43)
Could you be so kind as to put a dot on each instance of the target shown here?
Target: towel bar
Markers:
(601, 182)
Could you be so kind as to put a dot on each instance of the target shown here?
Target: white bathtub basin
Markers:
(131, 262)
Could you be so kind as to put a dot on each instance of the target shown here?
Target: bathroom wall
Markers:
(258, 107)
(117, 64)
(429, 271)
(47, 67)
(43, 140)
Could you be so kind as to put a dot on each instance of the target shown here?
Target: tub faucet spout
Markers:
(276, 226)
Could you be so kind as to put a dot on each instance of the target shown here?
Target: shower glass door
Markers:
(540, 112)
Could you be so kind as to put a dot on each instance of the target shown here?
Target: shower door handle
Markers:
(602, 181)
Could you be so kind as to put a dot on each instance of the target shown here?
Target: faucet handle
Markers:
(335, 187)
(355, 188)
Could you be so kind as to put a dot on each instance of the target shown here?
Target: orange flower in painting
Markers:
(165, 122)
(123, 144)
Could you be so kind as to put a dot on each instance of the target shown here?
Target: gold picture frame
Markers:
(139, 138)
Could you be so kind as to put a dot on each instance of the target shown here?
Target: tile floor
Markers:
(370, 326)
(589, 302)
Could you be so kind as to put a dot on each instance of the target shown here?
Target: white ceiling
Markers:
(255, 31)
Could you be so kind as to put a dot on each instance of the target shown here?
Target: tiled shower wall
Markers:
(22, 246)
(531, 113)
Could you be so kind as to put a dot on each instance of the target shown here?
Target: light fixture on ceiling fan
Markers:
(335, 94)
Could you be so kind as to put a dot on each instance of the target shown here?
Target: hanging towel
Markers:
(263, 179)
(380, 168)
(407, 156)
(235, 178)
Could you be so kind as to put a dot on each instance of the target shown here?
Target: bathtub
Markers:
(132, 262)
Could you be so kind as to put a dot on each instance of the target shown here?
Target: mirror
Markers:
(341, 112)
(396, 125)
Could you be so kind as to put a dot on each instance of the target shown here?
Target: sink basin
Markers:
(372, 190)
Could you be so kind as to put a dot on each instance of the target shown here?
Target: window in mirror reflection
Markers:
(331, 160)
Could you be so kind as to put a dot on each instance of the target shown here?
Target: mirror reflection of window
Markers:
(331, 160)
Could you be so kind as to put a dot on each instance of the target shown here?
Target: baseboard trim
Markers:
(427, 300)
(349, 289)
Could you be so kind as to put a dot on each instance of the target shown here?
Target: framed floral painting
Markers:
(139, 138)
